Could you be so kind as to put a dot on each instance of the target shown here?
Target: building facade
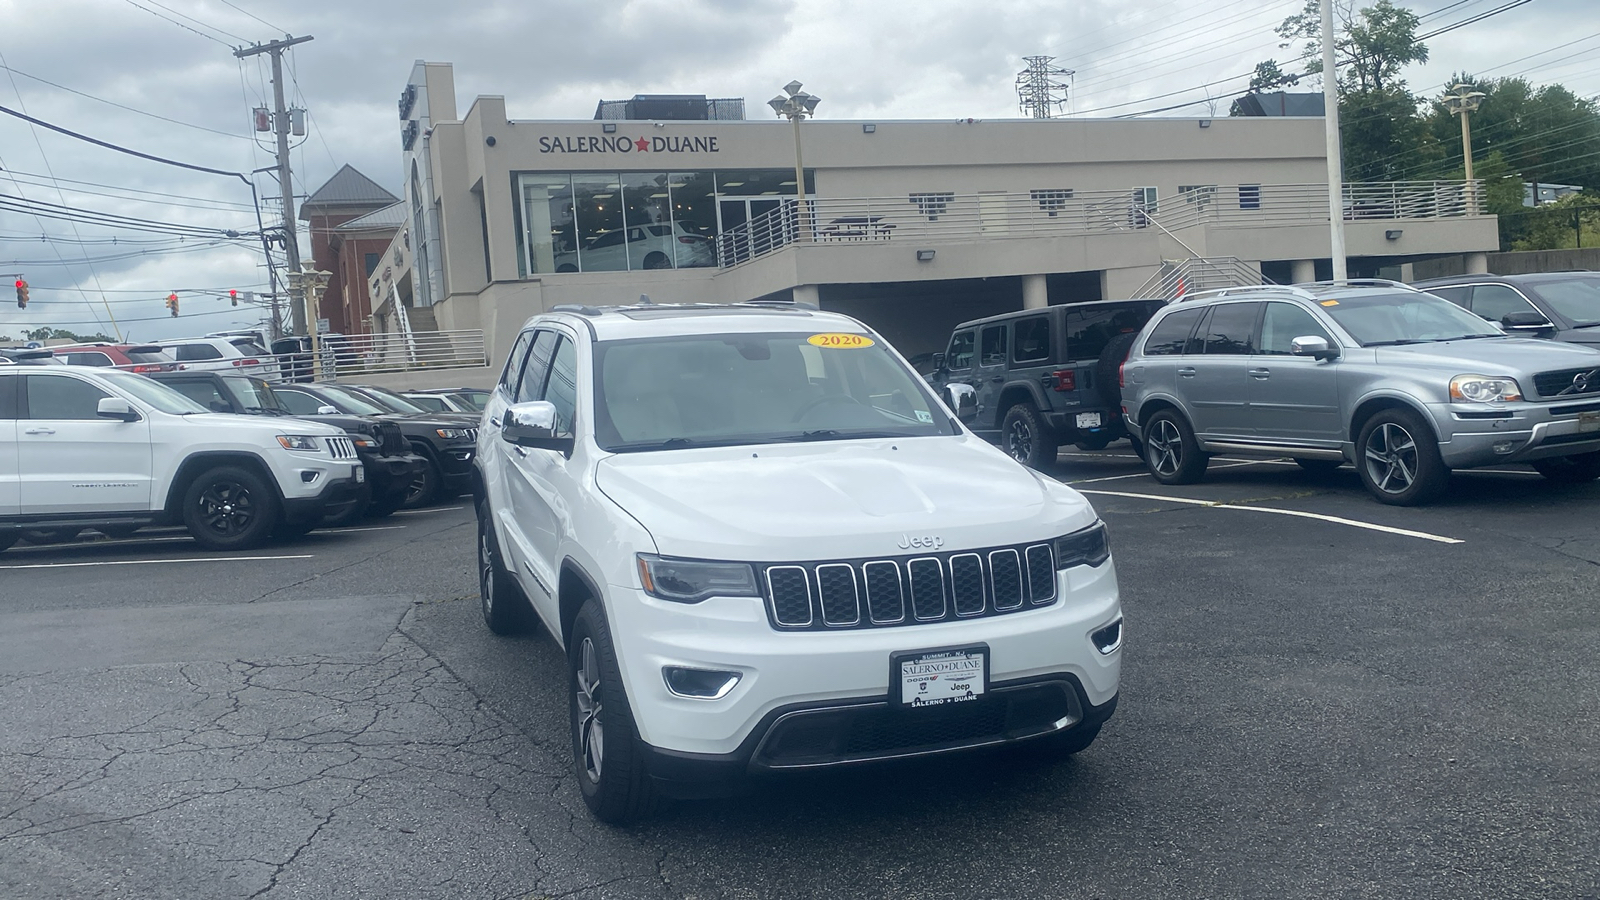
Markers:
(350, 230)
(910, 225)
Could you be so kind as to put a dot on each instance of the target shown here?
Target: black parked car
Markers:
(1040, 378)
(391, 466)
(447, 443)
(1560, 305)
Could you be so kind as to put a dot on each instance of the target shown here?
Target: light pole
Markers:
(795, 104)
(1330, 121)
(1462, 100)
(311, 283)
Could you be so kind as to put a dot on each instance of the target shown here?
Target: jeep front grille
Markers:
(342, 448)
(1567, 383)
(867, 593)
(391, 438)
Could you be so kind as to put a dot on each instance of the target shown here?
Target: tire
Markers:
(386, 505)
(1399, 460)
(351, 514)
(1023, 437)
(424, 487)
(1105, 370)
(231, 508)
(1319, 467)
(505, 608)
(1171, 453)
(50, 535)
(1578, 469)
(606, 751)
(657, 260)
(1066, 743)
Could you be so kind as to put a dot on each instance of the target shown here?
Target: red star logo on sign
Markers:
(642, 144)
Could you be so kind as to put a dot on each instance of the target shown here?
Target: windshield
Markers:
(390, 399)
(1576, 299)
(1405, 318)
(353, 402)
(153, 393)
(720, 390)
(253, 393)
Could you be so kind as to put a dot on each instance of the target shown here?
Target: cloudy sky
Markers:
(158, 76)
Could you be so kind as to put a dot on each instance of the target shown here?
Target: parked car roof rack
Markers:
(1363, 282)
(579, 308)
(1248, 289)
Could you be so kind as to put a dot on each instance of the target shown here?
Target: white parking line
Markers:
(431, 509)
(353, 530)
(1370, 526)
(1147, 474)
(151, 562)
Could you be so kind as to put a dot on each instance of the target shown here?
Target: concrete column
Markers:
(1477, 263)
(1302, 270)
(806, 295)
(1034, 293)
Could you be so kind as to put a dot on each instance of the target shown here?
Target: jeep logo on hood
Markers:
(921, 542)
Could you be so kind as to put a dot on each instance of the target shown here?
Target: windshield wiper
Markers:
(265, 410)
(833, 434)
(1585, 324)
(1470, 337)
(1395, 342)
(668, 444)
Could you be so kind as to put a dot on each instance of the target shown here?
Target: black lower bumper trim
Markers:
(335, 496)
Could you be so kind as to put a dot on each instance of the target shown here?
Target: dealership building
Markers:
(911, 226)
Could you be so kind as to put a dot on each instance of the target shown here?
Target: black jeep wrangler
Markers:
(1041, 378)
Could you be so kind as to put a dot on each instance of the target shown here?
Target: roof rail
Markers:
(579, 308)
(1249, 289)
(1363, 282)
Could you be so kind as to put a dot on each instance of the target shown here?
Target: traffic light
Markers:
(234, 296)
(22, 294)
(172, 303)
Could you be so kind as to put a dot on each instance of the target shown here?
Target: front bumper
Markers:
(391, 473)
(455, 467)
(334, 496)
(781, 671)
(1484, 434)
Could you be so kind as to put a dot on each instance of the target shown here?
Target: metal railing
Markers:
(1186, 276)
(1053, 213)
(365, 354)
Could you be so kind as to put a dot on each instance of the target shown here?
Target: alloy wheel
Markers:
(1391, 458)
(1165, 446)
(227, 508)
(1019, 440)
(591, 724)
(486, 574)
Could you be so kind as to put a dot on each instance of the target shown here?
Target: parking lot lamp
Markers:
(795, 104)
(1463, 101)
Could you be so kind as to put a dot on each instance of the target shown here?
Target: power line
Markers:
(141, 112)
(116, 257)
(197, 21)
(209, 202)
(93, 217)
(251, 15)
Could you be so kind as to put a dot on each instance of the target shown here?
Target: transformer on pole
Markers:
(1042, 89)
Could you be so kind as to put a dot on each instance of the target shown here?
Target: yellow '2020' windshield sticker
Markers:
(840, 341)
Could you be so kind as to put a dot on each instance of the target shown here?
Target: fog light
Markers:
(309, 477)
(1504, 446)
(699, 684)
(1109, 638)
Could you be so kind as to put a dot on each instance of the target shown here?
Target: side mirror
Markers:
(116, 408)
(533, 424)
(1527, 320)
(1314, 346)
(962, 399)
(937, 361)
(326, 410)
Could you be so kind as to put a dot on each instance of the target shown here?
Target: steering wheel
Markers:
(825, 398)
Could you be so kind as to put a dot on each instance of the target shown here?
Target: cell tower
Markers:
(1041, 90)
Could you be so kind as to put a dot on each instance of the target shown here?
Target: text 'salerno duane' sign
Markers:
(616, 143)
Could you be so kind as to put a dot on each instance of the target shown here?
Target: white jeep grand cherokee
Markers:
(767, 546)
(88, 447)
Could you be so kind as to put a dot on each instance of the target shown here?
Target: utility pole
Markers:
(280, 126)
(1330, 121)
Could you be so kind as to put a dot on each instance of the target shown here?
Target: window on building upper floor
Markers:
(1249, 196)
(1052, 200)
(1198, 194)
(933, 205)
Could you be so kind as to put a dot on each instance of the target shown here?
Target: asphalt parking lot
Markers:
(1322, 697)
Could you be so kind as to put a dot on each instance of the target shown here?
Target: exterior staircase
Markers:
(1185, 276)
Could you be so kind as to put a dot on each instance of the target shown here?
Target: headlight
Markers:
(299, 442)
(689, 581)
(452, 434)
(1484, 388)
(1088, 547)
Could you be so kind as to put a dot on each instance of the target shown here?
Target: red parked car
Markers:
(140, 358)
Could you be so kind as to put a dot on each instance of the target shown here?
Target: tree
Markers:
(46, 333)
(1545, 134)
(1572, 221)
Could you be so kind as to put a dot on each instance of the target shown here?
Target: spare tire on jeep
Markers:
(1105, 371)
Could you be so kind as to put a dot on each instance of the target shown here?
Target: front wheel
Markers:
(505, 609)
(606, 749)
(1171, 452)
(1024, 438)
(230, 508)
(1578, 469)
(1399, 460)
(423, 487)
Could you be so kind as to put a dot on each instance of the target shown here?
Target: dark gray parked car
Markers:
(1560, 305)
(1044, 377)
(1405, 385)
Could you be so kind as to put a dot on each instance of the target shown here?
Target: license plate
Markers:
(937, 677)
(1088, 420)
(361, 474)
(1589, 421)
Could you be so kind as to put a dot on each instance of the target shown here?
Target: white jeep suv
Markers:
(766, 545)
(85, 447)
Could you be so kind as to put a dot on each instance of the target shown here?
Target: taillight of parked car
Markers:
(144, 369)
(247, 362)
(1066, 380)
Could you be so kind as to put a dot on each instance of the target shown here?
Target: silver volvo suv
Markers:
(1404, 385)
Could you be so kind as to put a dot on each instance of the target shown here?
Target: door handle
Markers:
(1260, 374)
(39, 429)
(520, 452)
(996, 379)
(495, 422)
(1185, 372)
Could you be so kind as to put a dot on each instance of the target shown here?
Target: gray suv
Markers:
(1402, 383)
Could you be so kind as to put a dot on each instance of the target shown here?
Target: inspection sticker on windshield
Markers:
(1330, 303)
(840, 341)
(924, 416)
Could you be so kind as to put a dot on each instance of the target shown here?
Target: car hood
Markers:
(838, 499)
(274, 425)
(430, 420)
(1493, 356)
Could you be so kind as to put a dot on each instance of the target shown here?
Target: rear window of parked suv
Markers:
(1172, 333)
